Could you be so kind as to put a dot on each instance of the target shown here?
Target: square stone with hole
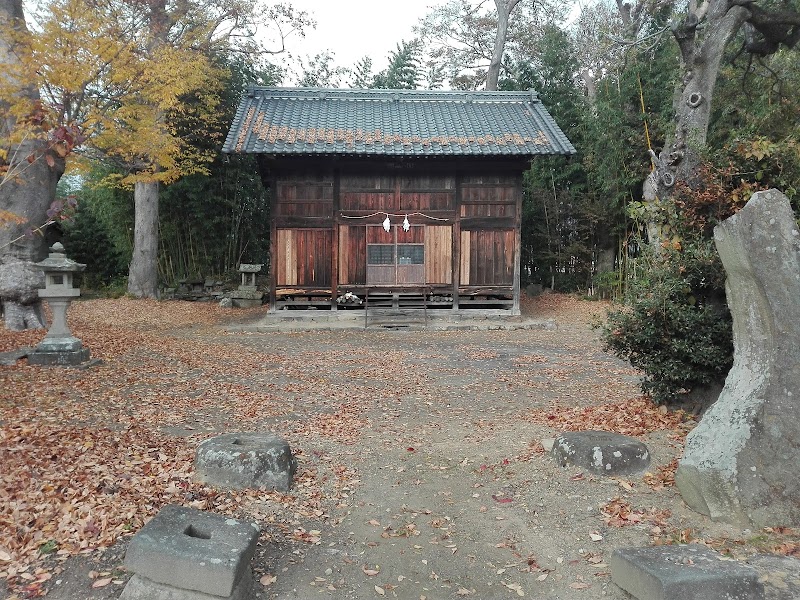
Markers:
(183, 550)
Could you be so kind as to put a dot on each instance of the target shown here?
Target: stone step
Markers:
(685, 572)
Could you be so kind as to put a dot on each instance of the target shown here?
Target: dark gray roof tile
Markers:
(309, 121)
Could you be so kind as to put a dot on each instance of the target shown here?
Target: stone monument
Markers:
(740, 462)
(59, 346)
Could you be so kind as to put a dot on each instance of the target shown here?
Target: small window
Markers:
(410, 254)
(380, 254)
(58, 279)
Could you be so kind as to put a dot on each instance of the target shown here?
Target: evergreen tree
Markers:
(322, 72)
(361, 76)
(404, 70)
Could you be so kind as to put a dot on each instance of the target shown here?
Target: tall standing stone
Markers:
(740, 463)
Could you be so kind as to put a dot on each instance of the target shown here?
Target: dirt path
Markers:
(422, 475)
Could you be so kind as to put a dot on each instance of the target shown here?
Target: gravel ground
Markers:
(422, 472)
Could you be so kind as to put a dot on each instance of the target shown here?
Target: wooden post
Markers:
(273, 242)
(335, 249)
(456, 241)
(515, 310)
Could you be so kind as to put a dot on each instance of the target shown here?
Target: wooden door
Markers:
(395, 257)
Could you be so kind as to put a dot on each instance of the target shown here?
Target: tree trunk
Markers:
(504, 9)
(27, 189)
(143, 272)
(702, 38)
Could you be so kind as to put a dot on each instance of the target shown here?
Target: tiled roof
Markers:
(312, 121)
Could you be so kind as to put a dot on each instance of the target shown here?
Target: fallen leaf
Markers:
(380, 590)
(625, 484)
(542, 577)
(101, 582)
(515, 587)
(369, 572)
(578, 585)
(268, 580)
(595, 560)
(595, 537)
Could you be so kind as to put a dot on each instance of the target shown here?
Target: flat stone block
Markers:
(59, 344)
(779, 574)
(11, 357)
(67, 357)
(245, 268)
(193, 550)
(690, 572)
(246, 460)
(246, 293)
(141, 588)
(601, 452)
(245, 303)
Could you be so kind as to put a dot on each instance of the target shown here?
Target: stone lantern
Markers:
(247, 295)
(59, 346)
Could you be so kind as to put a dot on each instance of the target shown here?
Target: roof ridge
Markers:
(316, 93)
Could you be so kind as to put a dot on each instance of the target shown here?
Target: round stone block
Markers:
(601, 452)
(246, 460)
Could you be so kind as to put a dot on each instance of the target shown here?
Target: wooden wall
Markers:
(439, 254)
(466, 216)
(352, 254)
(487, 258)
(304, 194)
(304, 257)
(489, 218)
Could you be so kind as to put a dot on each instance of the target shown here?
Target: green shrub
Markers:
(675, 325)
(606, 284)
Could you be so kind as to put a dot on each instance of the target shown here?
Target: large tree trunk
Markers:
(702, 37)
(504, 8)
(27, 189)
(143, 272)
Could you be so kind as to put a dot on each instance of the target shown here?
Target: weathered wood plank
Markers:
(283, 222)
(466, 256)
(415, 235)
(286, 272)
(438, 254)
(517, 244)
(486, 223)
(344, 254)
(358, 254)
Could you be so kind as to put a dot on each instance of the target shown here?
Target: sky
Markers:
(352, 29)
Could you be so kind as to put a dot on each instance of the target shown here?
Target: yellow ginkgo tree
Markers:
(131, 82)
